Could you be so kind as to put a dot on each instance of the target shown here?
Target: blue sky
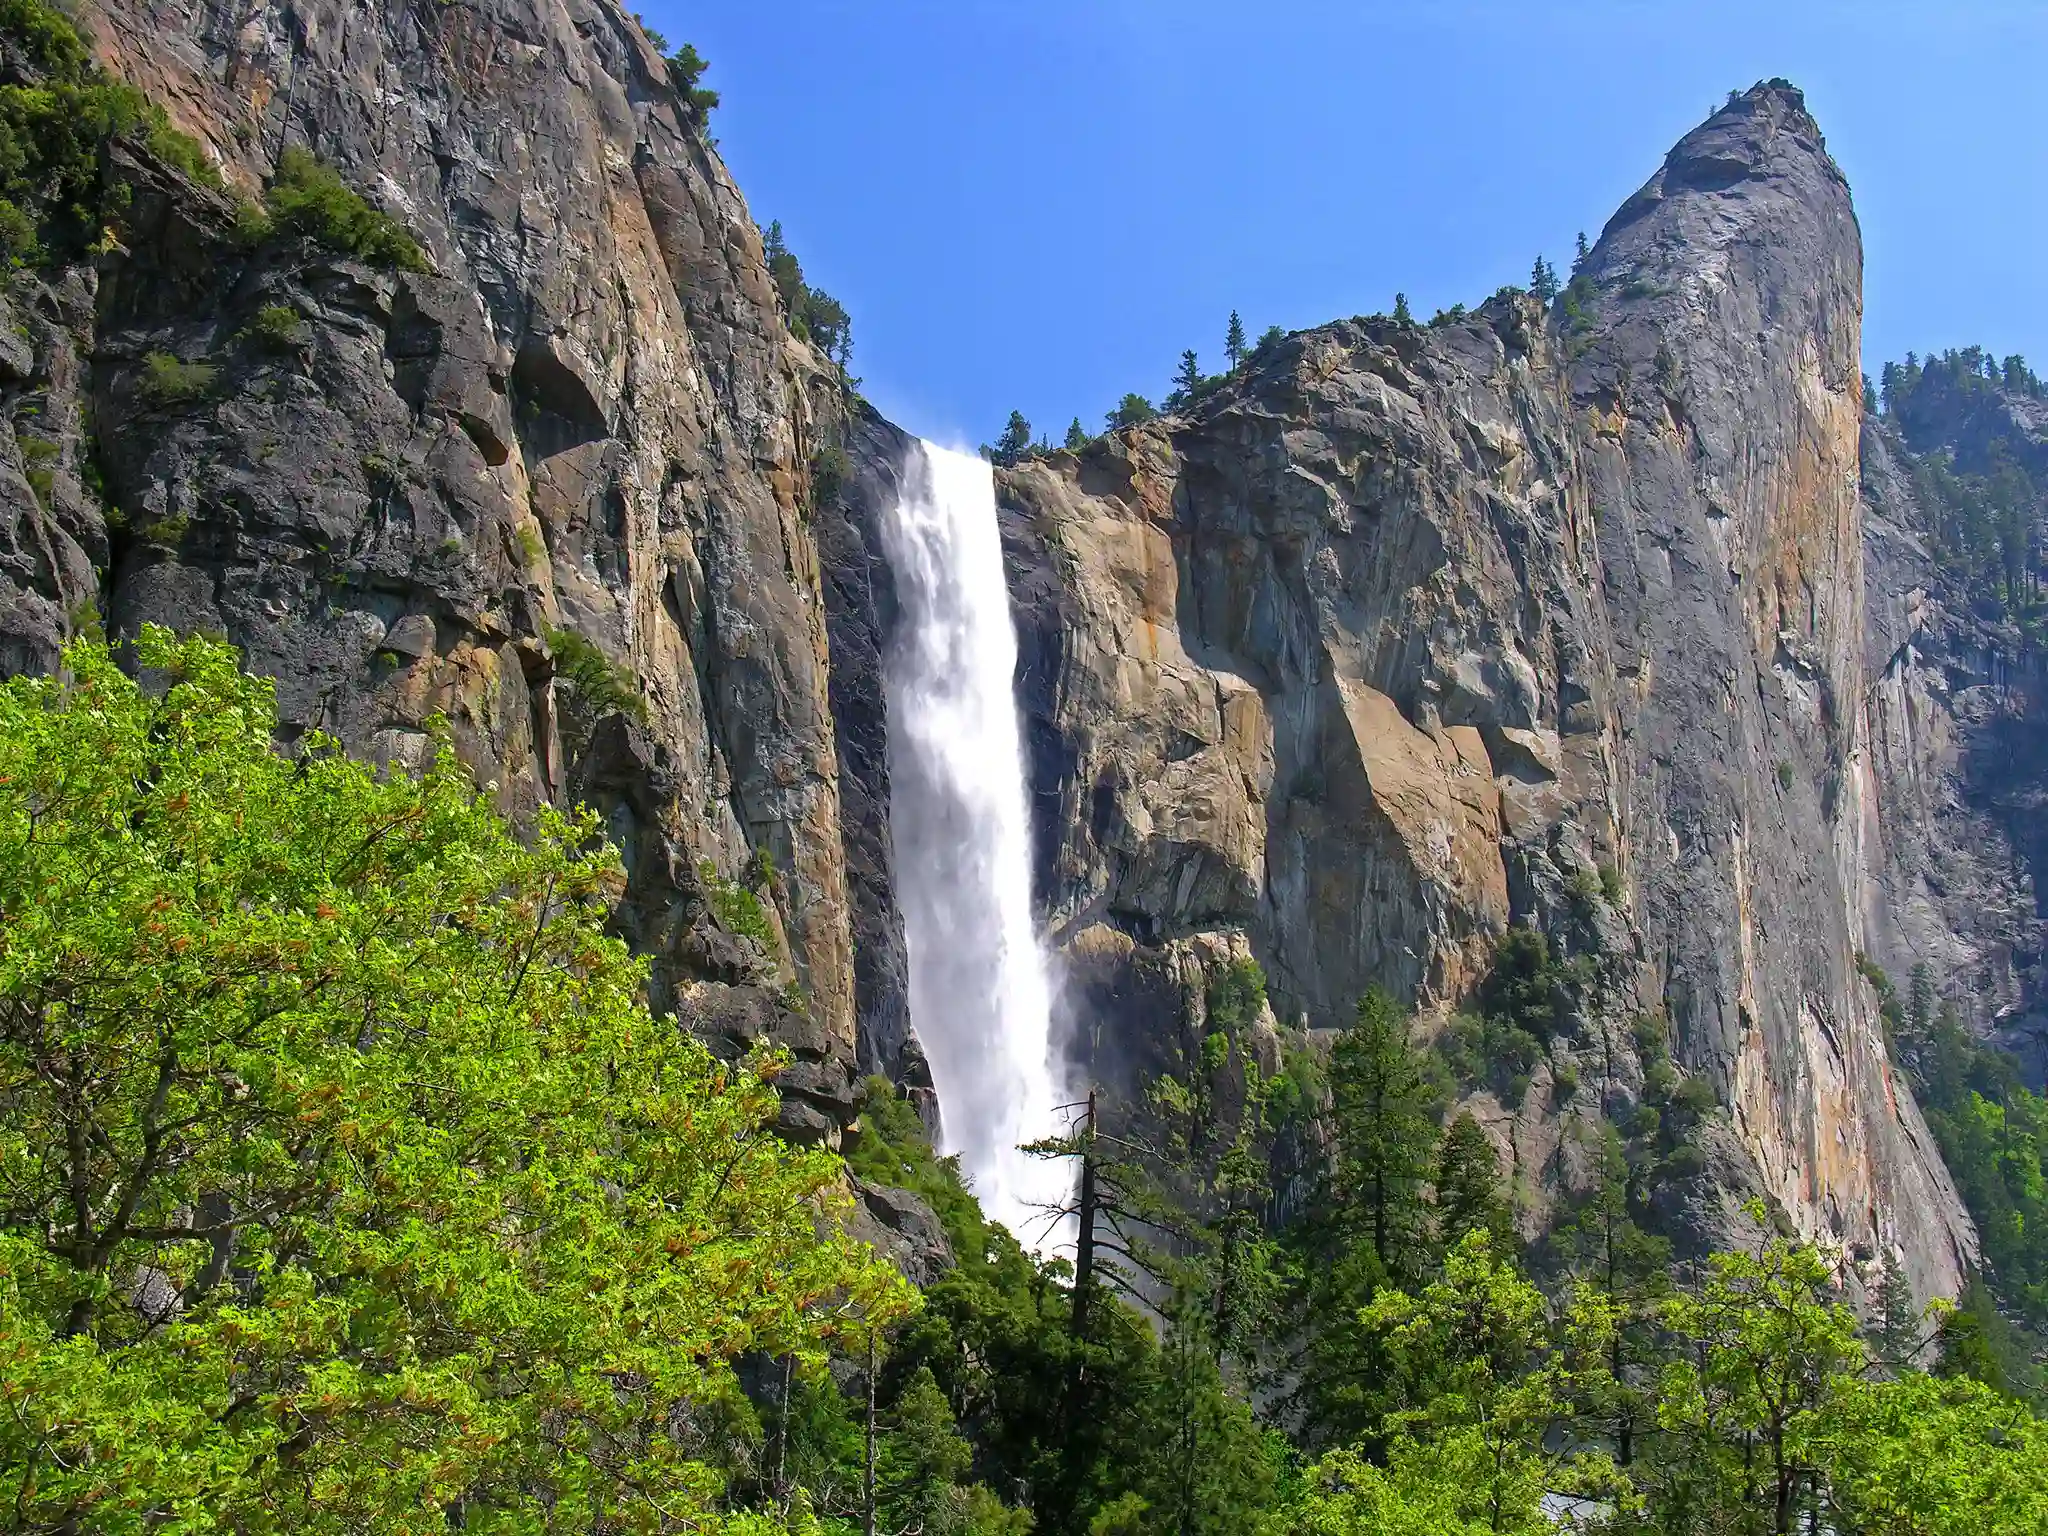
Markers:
(1039, 203)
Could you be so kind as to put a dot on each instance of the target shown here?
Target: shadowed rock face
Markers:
(1957, 695)
(1406, 634)
(860, 605)
(589, 417)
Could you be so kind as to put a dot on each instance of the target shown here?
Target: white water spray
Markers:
(980, 999)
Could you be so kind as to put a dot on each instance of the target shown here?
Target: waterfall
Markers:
(980, 997)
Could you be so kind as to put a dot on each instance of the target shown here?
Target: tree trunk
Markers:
(780, 1486)
(1084, 1244)
(1071, 1410)
(867, 1502)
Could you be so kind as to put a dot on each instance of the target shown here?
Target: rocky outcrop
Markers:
(1722, 396)
(1406, 634)
(865, 477)
(1957, 694)
(902, 1227)
(556, 489)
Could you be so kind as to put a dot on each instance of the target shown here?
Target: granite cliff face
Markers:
(1399, 638)
(558, 489)
(1407, 634)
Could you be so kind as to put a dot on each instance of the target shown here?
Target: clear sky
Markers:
(1039, 203)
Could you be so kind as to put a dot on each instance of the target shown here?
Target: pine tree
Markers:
(1187, 380)
(1920, 1001)
(1468, 1193)
(686, 67)
(1895, 1320)
(1233, 342)
(1077, 438)
(1015, 443)
(1543, 282)
(784, 270)
(829, 326)
(1402, 316)
(1130, 411)
(922, 1458)
(1580, 252)
(1385, 1131)
(1367, 1230)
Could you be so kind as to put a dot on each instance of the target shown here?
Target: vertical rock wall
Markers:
(1720, 390)
(1956, 695)
(571, 466)
(1407, 633)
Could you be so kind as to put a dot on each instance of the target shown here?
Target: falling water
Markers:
(980, 1000)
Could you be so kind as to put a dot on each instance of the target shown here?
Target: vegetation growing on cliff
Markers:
(1190, 385)
(1993, 1134)
(814, 315)
(1984, 480)
(592, 685)
(686, 66)
(60, 115)
(310, 199)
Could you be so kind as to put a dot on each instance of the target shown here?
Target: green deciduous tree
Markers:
(1917, 1456)
(1761, 1343)
(1344, 1494)
(345, 1180)
(1496, 1379)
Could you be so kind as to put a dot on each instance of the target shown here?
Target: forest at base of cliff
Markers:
(350, 1185)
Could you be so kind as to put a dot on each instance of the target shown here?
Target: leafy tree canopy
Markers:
(346, 1182)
